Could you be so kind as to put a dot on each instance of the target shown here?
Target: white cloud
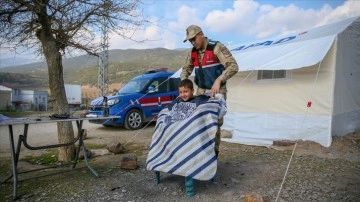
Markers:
(253, 19)
(139, 39)
(243, 18)
(348, 9)
(238, 19)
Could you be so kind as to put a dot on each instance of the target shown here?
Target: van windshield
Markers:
(134, 86)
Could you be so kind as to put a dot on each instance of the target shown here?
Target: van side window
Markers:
(174, 83)
(163, 85)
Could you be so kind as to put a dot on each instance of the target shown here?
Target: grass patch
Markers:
(48, 159)
(5, 163)
(17, 114)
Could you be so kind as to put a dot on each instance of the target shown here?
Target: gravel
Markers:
(315, 174)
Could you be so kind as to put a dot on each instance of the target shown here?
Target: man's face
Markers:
(198, 41)
(185, 93)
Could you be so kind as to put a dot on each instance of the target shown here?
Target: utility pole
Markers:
(103, 80)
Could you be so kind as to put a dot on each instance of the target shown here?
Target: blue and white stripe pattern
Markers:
(186, 147)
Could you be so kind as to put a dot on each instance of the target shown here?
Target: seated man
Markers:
(184, 137)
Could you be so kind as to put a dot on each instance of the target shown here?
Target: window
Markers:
(162, 85)
(174, 84)
(154, 87)
(271, 74)
(134, 86)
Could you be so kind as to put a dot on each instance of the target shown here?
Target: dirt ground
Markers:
(315, 173)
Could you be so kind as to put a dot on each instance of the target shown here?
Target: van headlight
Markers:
(113, 102)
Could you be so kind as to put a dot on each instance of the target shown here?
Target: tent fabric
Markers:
(346, 107)
(260, 112)
(262, 129)
(295, 51)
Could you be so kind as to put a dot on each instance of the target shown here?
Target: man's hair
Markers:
(186, 83)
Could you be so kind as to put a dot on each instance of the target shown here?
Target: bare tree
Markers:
(58, 27)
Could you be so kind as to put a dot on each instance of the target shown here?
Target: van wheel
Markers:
(133, 120)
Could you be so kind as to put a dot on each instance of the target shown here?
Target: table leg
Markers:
(15, 154)
(82, 145)
(14, 162)
(15, 158)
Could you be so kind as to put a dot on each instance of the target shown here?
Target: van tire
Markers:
(133, 119)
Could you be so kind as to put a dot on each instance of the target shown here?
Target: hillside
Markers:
(123, 65)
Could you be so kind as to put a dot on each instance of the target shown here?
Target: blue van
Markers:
(139, 101)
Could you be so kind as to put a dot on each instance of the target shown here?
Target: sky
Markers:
(230, 22)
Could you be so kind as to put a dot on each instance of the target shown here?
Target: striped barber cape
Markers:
(186, 147)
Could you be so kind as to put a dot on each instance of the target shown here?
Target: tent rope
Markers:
(143, 128)
(301, 129)
(246, 77)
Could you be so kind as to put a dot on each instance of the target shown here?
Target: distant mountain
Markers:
(23, 81)
(123, 65)
(14, 61)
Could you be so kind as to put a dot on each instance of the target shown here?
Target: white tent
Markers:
(318, 96)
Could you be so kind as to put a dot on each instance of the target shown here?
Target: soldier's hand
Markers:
(215, 87)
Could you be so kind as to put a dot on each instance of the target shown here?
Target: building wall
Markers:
(24, 100)
(25, 96)
(5, 99)
(40, 102)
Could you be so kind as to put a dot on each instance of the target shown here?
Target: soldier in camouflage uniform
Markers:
(213, 64)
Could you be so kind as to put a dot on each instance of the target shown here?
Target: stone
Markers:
(100, 152)
(115, 148)
(254, 197)
(129, 163)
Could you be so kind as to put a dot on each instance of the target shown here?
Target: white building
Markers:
(29, 100)
(5, 97)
